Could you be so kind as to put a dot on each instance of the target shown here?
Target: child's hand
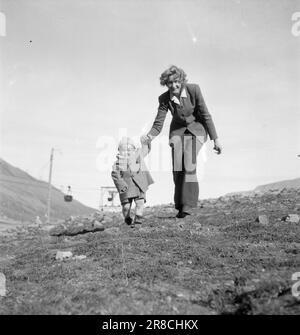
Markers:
(144, 139)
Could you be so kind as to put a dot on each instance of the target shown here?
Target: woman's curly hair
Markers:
(172, 73)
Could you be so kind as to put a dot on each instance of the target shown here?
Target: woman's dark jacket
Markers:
(192, 114)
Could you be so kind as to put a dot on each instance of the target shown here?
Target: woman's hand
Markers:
(145, 139)
(217, 146)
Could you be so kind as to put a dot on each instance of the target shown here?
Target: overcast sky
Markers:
(74, 73)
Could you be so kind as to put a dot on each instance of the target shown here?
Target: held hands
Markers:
(145, 139)
(217, 147)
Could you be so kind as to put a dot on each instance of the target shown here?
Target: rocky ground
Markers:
(218, 261)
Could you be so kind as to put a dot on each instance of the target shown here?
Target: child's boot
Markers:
(126, 212)
(138, 219)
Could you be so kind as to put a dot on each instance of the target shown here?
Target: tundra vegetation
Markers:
(222, 260)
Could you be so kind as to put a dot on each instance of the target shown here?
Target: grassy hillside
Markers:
(219, 261)
(23, 197)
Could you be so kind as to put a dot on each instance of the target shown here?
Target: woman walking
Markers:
(191, 122)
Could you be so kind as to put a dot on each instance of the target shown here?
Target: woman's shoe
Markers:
(181, 215)
(128, 220)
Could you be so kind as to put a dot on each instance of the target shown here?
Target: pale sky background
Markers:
(92, 68)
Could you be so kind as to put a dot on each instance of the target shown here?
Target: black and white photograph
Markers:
(149, 160)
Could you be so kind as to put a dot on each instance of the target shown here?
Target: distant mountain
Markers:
(291, 183)
(279, 185)
(23, 197)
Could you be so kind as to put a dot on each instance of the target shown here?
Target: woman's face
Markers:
(174, 85)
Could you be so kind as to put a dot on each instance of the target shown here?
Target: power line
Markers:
(49, 186)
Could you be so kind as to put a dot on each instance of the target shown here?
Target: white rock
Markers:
(60, 255)
(2, 285)
(263, 219)
(294, 218)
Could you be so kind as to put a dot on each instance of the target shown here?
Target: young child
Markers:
(131, 177)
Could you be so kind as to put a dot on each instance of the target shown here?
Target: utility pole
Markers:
(49, 187)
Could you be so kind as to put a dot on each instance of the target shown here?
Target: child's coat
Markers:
(131, 176)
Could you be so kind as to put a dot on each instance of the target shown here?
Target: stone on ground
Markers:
(294, 218)
(262, 219)
(79, 225)
(61, 255)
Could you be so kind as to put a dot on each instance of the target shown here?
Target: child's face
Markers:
(125, 149)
